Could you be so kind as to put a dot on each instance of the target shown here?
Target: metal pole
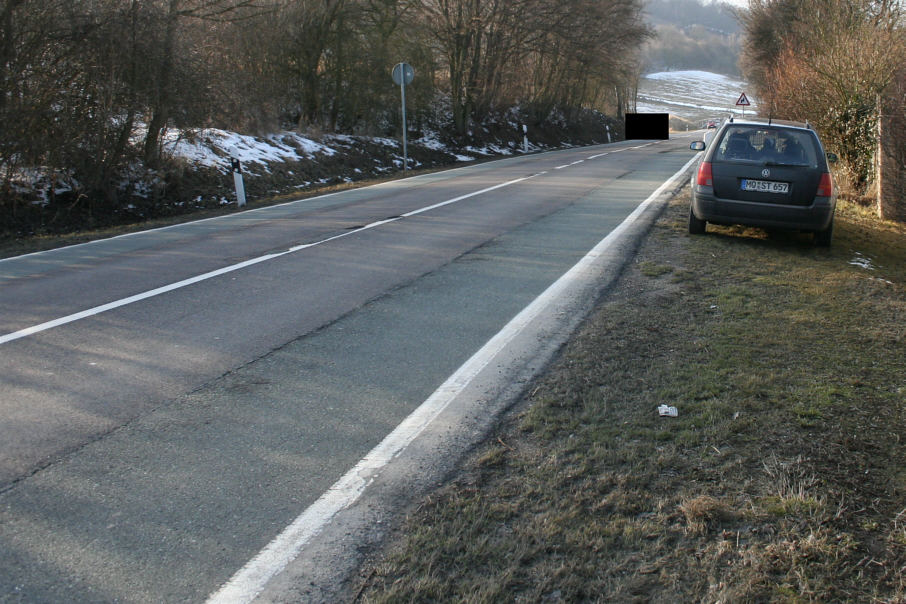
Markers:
(405, 151)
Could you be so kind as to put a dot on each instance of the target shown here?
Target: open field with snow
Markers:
(692, 96)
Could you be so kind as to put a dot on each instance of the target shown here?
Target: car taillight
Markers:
(704, 175)
(825, 185)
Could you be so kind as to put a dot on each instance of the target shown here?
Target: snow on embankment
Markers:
(213, 148)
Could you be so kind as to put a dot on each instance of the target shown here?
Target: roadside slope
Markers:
(781, 478)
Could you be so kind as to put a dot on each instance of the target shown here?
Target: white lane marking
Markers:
(267, 208)
(176, 226)
(252, 578)
(389, 183)
(28, 331)
(34, 329)
(460, 198)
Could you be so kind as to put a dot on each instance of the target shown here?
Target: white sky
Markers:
(737, 3)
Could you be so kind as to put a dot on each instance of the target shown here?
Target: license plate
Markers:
(764, 186)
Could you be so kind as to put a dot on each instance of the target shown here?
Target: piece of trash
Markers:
(862, 261)
(667, 411)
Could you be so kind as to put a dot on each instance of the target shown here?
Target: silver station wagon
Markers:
(766, 174)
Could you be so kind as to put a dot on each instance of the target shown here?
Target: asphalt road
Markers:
(171, 400)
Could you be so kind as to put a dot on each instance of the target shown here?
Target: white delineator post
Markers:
(237, 180)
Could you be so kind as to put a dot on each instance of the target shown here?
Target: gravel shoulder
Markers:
(780, 479)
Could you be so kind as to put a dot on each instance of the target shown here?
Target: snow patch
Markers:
(213, 148)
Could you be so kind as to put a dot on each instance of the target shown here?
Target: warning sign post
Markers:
(743, 102)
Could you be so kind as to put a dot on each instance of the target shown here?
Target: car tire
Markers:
(823, 238)
(696, 226)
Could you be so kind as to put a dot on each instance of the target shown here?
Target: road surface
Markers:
(172, 400)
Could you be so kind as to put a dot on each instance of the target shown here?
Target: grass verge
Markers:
(782, 478)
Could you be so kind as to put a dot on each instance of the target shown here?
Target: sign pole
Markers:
(743, 102)
(405, 151)
(402, 75)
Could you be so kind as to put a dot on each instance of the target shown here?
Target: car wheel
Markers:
(823, 238)
(696, 226)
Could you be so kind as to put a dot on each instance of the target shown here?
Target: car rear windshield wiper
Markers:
(785, 165)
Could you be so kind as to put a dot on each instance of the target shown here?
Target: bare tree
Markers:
(544, 53)
(827, 62)
(170, 18)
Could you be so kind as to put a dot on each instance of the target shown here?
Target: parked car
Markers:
(766, 174)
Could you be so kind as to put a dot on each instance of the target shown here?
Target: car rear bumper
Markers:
(814, 217)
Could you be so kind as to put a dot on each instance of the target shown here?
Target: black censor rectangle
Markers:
(648, 126)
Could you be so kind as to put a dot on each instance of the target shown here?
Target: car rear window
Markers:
(762, 145)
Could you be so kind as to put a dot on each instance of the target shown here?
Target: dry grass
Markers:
(781, 479)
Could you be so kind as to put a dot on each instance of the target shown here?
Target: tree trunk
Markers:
(160, 111)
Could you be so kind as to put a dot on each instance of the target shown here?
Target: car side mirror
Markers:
(697, 146)
(831, 157)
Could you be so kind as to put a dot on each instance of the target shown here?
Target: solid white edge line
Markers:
(252, 578)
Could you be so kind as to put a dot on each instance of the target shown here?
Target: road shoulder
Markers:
(325, 569)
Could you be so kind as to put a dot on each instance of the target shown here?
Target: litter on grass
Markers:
(666, 411)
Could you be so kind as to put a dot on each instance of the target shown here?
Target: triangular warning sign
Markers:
(743, 100)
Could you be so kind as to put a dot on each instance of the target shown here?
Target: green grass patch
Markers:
(651, 269)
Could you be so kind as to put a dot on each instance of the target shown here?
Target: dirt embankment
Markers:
(781, 479)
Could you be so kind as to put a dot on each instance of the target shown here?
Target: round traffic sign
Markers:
(403, 74)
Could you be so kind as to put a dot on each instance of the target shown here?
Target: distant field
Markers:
(692, 96)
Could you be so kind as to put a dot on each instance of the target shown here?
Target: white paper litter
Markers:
(667, 411)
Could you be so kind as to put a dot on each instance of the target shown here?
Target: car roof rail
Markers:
(770, 121)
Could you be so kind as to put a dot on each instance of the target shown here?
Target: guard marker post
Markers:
(237, 180)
